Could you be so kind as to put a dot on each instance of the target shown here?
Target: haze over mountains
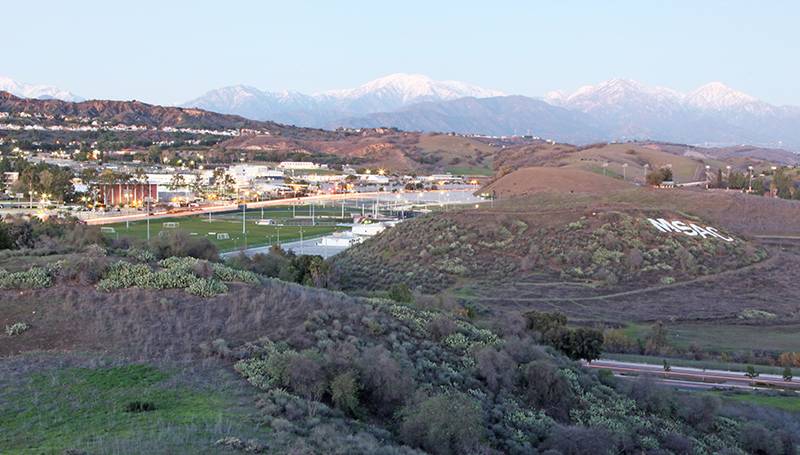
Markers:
(615, 110)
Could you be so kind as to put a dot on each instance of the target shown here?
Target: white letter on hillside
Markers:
(684, 228)
(714, 232)
(662, 225)
(703, 232)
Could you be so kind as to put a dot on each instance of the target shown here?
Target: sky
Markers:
(169, 52)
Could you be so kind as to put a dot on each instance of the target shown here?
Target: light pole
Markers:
(708, 176)
(644, 172)
(750, 185)
(148, 218)
(624, 171)
(728, 177)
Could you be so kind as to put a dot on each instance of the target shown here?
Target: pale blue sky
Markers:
(171, 51)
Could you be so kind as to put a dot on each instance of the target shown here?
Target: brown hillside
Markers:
(531, 180)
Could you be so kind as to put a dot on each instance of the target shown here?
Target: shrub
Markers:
(140, 406)
(448, 423)
(33, 278)
(179, 243)
(203, 287)
(344, 392)
(401, 293)
(755, 438)
(543, 386)
(385, 383)
(16, 328)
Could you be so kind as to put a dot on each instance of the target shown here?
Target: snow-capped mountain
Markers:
(615, 92)
(618, 109)
(36, 91)
(401, 89)
(719, 97)
(381, 95)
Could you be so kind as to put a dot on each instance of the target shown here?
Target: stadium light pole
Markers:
(728, 177)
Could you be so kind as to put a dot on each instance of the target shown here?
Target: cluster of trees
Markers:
(40, 178)
(53, 233)
(659, 176)
(287, 266)
(577, 344)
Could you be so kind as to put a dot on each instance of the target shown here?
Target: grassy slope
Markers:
(56, 408)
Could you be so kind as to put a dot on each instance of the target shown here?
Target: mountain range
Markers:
(41, 92)
(615, 110)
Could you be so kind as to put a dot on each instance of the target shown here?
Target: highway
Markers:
(696, 378)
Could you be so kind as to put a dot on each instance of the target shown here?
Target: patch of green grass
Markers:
(782, 402)
(725, 337)
(86, 407)
(717, 337)
(470, 170)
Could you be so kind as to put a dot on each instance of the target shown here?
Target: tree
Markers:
(176, 182)
(139, 175)
(659, 176)
(586, 344)
(448, 423)
(751, 373)
(787, 374)
(154, 154)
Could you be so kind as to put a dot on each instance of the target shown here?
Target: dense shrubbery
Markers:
(33, 278)
(196, 276)
(449, 387)
(608, 248)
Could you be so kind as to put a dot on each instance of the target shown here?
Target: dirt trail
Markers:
(765, 263)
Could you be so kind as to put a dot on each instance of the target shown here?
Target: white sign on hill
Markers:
(689, 229)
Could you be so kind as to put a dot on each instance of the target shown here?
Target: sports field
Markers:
(226, 229)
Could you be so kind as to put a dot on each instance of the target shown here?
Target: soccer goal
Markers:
(170, 225)
(223, 236)
(108, 230)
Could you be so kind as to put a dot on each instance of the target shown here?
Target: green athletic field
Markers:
(219, 226)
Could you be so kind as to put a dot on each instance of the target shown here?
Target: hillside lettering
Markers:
(689, 229)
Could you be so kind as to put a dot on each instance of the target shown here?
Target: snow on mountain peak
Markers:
(407, 88)
(36, 91)
(718, 96)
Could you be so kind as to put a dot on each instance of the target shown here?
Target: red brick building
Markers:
(134, 194)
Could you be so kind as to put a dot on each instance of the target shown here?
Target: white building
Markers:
(245, 174)
(295, 165)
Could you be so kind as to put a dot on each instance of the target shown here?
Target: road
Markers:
(696, 378)
(423, 197)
